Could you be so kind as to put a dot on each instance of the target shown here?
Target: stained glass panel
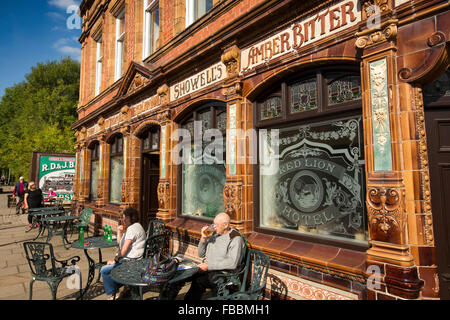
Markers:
(344, 89)
(439, 88)
(304, 96)
(271, 108)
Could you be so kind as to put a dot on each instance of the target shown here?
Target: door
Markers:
(438, 136)
(150, 180)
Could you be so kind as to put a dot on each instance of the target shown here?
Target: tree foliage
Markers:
(37, 114)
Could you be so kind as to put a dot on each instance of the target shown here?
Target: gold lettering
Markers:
(268, 50)
(346, 9)
(298, 34)
(285, 42)
(312, 24)
(275, 46)
(321, 17)
(334, 18)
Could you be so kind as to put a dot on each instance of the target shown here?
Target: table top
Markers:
(130, 272)
(59, 218)
(96, 243)
(47, 213)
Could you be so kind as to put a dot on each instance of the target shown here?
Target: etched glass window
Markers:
(439, 88)
(314, 183)
(203, 169)
(95, 152)
(344, 89)
(271, 108)
(116, 169)
(304, 96)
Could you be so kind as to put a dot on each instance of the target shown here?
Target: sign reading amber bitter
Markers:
(302, 33)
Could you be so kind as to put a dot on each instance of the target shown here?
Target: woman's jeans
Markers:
(110, 285)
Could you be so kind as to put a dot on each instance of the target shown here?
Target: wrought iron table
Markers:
(38, 215)
(130, 273)
(54, 223)
(94, 243)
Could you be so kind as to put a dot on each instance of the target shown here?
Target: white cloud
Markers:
(67, 46)
(64, 4)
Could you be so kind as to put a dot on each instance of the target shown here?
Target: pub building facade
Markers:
(320, 127)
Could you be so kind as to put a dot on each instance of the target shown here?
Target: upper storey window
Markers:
(120, 37)
(195, 9)
(98, 72)
(151, 27)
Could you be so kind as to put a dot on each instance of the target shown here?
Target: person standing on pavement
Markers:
(19, 193)
(33, 199)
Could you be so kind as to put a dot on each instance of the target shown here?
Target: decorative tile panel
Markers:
(232, 140)
(163, 152)
(380, 116)
(302, 289)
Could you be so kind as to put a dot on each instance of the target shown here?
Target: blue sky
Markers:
(33, 31)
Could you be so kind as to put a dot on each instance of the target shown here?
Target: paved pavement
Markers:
(15, 274)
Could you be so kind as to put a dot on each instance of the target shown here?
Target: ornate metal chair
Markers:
(256, 268)
(84, 219)
(156, 244)
(230, 280)
(155, 227)
(38, 254)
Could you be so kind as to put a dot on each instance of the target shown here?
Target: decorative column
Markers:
(102, 185)
(126, 181)
(237, 185)
(164, 190)
(389, 255)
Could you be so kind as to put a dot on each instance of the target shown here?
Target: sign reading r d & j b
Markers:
(58, 173)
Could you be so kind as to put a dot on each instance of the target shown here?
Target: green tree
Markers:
(37, 114)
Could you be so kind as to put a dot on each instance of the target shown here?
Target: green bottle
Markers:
(105, 232)
(81, 238)
(110, 234)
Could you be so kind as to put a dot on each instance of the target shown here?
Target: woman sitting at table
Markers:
(51, 196)
(131, 246)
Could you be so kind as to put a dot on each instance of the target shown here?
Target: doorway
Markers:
(150, 180)
(437, 121)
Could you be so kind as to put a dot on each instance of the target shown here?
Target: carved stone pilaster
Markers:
(231, 58)
(372, 37)
(232, 89)
(372, 7)
(386, 216)
(424, 171)
(163, 117)
(164, 94)
(163, 195)
(232, 195)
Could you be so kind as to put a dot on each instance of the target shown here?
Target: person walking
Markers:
(19, 193)
(33, 199)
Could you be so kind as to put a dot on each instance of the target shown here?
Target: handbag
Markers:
(159, 272)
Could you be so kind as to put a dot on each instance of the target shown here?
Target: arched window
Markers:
(310, 178)
(115, 169)
(95, 158)
(150, 140)
(202, 170)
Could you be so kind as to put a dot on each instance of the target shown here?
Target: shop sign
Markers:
(57, 173)
(302, 33)
(198, 81)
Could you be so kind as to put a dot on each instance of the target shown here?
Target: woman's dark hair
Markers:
(132, 213)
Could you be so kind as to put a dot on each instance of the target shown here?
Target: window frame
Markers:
(193, 115)
(149, 133)
(192, 11)
(324, 112)
(119, 44)
(114, 153)
(149, 43)
(95, 156)
(98, 65)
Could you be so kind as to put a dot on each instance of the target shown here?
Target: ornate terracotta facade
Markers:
(234, 57)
